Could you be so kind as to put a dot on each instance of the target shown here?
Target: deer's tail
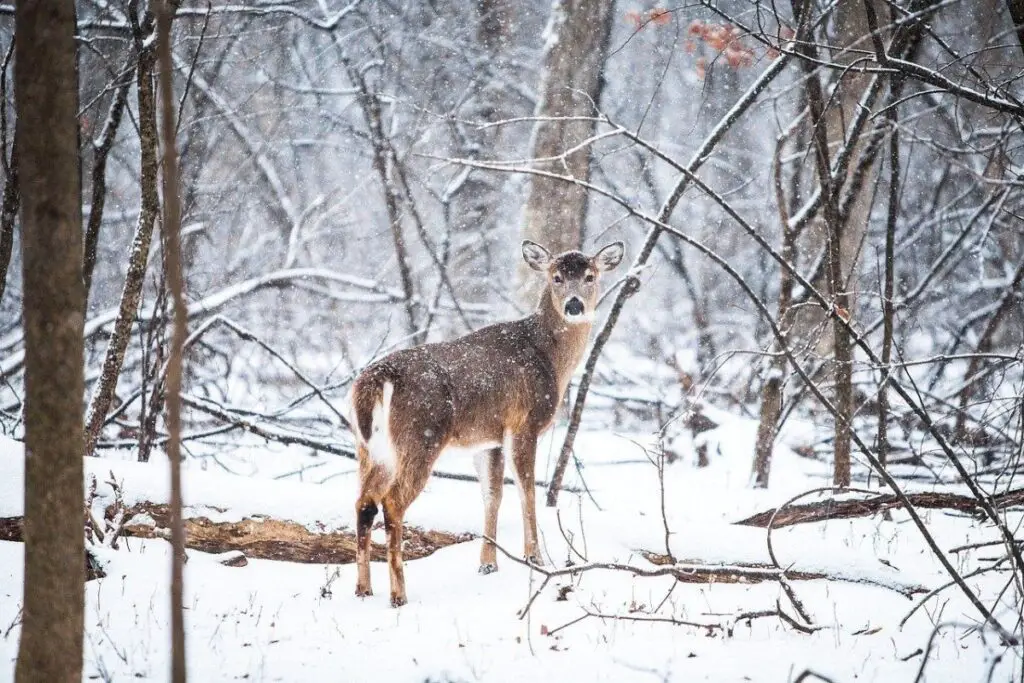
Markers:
(371, 402)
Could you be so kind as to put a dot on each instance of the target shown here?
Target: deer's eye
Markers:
(589, 277)
(557, 279)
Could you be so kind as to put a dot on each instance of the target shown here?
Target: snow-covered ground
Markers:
(291, 622)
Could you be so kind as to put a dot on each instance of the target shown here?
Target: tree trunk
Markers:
(176, 288)
(835, 280)
(771, 393)
(103, 395)
(11, 198)
(8, 217)
(577, 39)
(46, 92)
(888, 312)
(372, 115)
(101, 151)
(1016, 8)
(495, 27)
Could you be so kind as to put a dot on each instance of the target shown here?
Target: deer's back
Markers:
(468, 391)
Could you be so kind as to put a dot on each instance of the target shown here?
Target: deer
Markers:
(490, 393)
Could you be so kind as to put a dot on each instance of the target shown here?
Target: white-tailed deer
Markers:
(491, 392)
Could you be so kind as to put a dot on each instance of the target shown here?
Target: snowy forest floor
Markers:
(275, 620)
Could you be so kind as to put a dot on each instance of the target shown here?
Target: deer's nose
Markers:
(574, 307)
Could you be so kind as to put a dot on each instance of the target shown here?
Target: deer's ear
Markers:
(610, 256)
(536, 256)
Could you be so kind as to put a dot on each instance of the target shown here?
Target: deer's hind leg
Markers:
(373, 480)
(406, 486)
(490, 467)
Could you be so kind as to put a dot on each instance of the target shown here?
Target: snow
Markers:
(294, 622)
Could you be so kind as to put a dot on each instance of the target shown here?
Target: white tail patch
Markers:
(381, 446)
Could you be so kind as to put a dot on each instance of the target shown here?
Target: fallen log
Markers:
(261, 537)
(698, 571)
(12, 529)
(865, 507)
(275, 539)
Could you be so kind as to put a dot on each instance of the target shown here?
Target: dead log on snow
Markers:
(262, 537)
(865, 507)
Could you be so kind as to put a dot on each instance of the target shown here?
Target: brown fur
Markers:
(469, 392)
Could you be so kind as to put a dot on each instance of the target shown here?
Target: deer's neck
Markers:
(563, 343)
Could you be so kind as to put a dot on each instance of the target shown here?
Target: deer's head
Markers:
(573, 277)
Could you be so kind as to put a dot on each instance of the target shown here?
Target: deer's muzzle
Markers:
(573, 307)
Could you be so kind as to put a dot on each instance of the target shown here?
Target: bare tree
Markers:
(46, 90)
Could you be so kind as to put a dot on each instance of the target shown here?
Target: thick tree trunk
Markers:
(46, 92)
(850, 28)
(577, 38)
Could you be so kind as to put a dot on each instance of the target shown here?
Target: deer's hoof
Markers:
(398, 600)
(488, 568)
(362, 592)
(535, 560)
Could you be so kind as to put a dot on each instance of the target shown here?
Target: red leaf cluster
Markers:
(659, 16)
(725, 39)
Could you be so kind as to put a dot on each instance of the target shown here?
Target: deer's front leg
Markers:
(524, 457)
(490, 467)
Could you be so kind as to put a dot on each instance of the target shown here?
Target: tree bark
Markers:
(577, 40)
(888, 312)
(8, 217)
(131, 294)
(372, 115)
(1016, 8)
(174, 269)
(771, 393)
(11, 198)
(834, 239)
(46, 92)
(101, 151)
(495, 27)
